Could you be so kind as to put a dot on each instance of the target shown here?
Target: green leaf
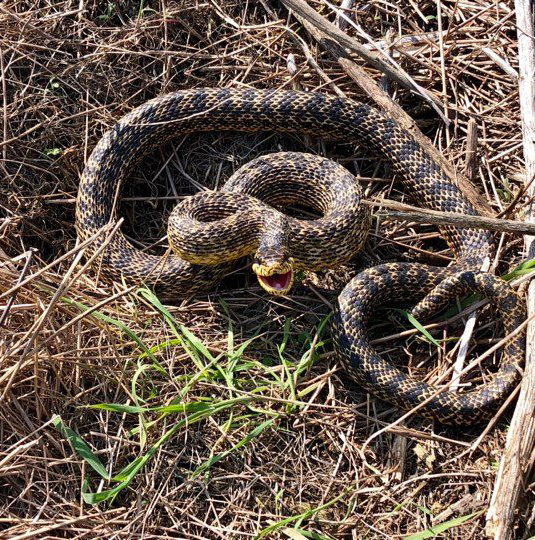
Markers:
(195, 406)
(80, 447)
(101, 496)
(307, 534)
(521, 270)
(218, 457)
(125, 472)
(173, 342)
(418, 325)
(119, 324)
(118, 407)
(442, 527)
(301, 517)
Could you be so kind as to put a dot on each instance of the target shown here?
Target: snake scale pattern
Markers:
(282, 244)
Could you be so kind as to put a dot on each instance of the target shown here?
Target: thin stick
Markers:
(464, 341)
(515, 463)
(7, 307)
(303, 10)
(407, 212)
(4, 93)
(76, 249)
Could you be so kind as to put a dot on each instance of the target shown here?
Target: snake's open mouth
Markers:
(277, 283)
(275, 278)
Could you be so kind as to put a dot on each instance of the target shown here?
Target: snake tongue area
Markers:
(277, 283)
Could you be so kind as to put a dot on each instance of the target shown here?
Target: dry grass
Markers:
(307, 451)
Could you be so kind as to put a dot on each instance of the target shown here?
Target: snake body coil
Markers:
(166, 117)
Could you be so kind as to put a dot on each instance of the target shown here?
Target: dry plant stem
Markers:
(34, 331)
(464, 342)
(498, 60)
(337, 43)
(4, 99)
(303, 10)
(470, 165)
(25, 269)
(406, 212)
(70, 253)
(513, 472)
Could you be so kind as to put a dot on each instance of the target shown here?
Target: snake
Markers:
(210, 230)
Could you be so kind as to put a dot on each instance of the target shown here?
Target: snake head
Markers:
(273, 265)
(274, 275)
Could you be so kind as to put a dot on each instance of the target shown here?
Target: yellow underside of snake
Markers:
(211, 229)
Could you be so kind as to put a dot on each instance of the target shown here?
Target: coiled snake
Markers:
(211, 229)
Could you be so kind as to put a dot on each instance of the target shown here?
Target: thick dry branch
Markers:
(515, 466)
(338, 44)
(405, 212)
(373, 58)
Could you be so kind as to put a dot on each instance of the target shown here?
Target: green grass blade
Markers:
(118, 324)
(418, 325)
(101, 496)
(521, 270)
(432, 532)
(218, 457)
(173, 342)
(80, 447)
(301, 517)
(118, 407)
